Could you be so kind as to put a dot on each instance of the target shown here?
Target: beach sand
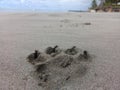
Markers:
(22, 33)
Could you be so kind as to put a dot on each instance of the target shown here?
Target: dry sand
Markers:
(22, 33)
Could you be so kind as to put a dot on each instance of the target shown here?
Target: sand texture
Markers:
(98, 33)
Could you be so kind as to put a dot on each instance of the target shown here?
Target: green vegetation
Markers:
(94, 4)
(111, 2)
(104, 4)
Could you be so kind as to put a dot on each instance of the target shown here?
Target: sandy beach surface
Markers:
(22, 33)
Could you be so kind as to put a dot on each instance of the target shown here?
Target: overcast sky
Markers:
(45, 5)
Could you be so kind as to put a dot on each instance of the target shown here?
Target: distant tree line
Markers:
(105, 3)
(94, 4)
(110, 2)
